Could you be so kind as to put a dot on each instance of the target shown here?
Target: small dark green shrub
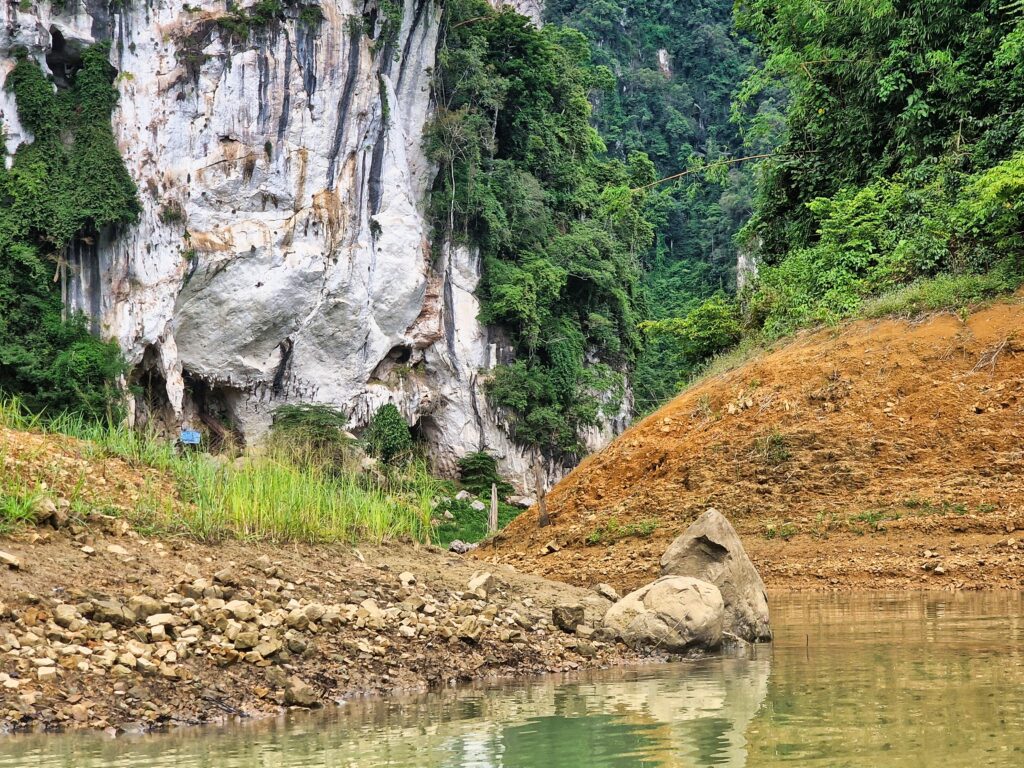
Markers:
(318, 424)
(311, 15)
(387, 436)
(478, 471)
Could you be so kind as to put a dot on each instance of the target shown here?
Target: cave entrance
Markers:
(64, 59)
(213, 409)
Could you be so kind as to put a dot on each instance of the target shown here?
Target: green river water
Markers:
(857, 681)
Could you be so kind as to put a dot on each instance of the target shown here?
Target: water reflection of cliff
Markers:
(857, 681)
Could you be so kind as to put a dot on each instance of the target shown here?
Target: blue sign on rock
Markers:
(190, 437)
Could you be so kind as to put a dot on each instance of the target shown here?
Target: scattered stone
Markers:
(478, 506)
(460, 547)
(161, 619)
(711, 551)
(112, 612)
(87, 551)
(523, 502)
(586, 650)
(241, 610)
(406, 578)
(6, 558)
(46, 673)
(675, 613)
(227, 576)
(245, 641)
(470, 629)
(550, 548)
(64, 615)
(463, 496)
(45, 511)
(607, 591)
(567, 617)
(144, 606)
(298, 693)
(117, 549)
(482, 582)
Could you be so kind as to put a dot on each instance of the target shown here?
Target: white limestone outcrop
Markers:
(283, 253)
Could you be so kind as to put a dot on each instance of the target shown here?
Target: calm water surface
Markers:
(913, 680)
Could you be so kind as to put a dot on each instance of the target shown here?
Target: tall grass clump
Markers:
(270, 497)
(303, 484)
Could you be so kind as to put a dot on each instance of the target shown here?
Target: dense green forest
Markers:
(903, 153)
(525, 177)
(677, 65)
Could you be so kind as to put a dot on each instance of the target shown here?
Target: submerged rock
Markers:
(674, 613)
(710, 550)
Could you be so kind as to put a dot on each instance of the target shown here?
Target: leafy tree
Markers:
(708, 329)
(879, 90)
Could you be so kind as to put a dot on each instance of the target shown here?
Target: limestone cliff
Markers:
(283, 252)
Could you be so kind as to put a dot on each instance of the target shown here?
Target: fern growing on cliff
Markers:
(68, 185)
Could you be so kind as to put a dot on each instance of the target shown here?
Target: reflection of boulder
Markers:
(710, 550)
(674, 613)
(673, 716)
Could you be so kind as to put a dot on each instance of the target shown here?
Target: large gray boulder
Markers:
(674, 613)
(710, 550)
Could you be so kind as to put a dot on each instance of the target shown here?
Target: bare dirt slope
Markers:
(841, 458)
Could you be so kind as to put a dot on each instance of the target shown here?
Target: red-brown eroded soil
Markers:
(841, 458)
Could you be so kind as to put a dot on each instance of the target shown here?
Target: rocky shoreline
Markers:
(127, 634)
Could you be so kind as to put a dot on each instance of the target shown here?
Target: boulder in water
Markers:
(674, 613)
(710, 550)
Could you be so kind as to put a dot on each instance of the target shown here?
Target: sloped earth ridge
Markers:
(882, 454)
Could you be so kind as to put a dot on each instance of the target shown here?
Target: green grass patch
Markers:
(613, 530)
(16, 508)
(771, 448)
(468, 524)
(943, 292)
(278, 493)
(774, 529)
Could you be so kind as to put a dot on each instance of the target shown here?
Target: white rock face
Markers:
(283, 254)
(531, 9)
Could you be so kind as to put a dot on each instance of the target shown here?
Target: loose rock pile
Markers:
(247, 640)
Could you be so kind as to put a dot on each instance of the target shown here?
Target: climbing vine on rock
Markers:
(526, 179)
(69, 183)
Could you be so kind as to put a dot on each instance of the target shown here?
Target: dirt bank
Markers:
(108, 631)
(879, 455)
